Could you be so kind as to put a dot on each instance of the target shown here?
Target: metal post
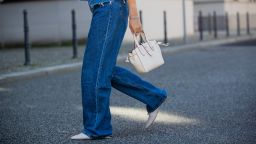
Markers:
(200, 25)
(238, 23)
(215, 25)
(26, 38)
(141, 20)
(74, 36)
(227, 25)
(248, 23)
(184, 21)
(209, 23)
(165, 28)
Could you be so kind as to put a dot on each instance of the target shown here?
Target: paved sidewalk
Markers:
(211, 100)
(45, 60)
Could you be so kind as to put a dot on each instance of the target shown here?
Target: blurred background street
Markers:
(209, 72)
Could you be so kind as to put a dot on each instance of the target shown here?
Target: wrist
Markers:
(134, 17)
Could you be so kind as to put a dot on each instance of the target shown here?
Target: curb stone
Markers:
(75, 66)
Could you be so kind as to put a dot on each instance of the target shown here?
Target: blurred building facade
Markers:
(231, 7)
(50, 20)
(223, 6)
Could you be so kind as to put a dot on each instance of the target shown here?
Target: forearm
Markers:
(132, 8)
(134, 20)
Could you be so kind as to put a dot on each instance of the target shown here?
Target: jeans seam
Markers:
(100, 64)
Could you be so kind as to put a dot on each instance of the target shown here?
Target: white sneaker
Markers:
(80, 136)
(151, 117)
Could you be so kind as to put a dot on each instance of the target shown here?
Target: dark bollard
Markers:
(238, 23)
(248, 23)
(209, 23)
(215, 25)
(200, 25)
(74, 37)
(141, 20)
(26, 38)
(227, 25)
(165, 28)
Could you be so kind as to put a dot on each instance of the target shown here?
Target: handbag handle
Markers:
(143, 36)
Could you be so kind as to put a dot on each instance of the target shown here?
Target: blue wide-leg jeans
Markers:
(100, 73)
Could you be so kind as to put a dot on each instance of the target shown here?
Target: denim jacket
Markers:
(94, 2)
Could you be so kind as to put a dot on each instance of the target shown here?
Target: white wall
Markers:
(50, 21)
(153, 18)
(209, 8)
(241, 7)
(221, 7)
(232, 7)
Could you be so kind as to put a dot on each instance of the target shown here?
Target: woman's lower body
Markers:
(100, 73)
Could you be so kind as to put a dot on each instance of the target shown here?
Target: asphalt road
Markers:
(212, 99)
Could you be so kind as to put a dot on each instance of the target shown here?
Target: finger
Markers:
(138, 30)
(136, 33)
(131, 29)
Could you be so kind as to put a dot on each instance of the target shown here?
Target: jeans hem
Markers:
(160, 103)
(95, 136)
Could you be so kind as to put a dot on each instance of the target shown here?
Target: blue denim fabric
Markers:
(100, 73)
(92, 3)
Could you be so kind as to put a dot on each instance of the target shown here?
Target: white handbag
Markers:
(146, 56)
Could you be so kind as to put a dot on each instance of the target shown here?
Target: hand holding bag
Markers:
(146, 56)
